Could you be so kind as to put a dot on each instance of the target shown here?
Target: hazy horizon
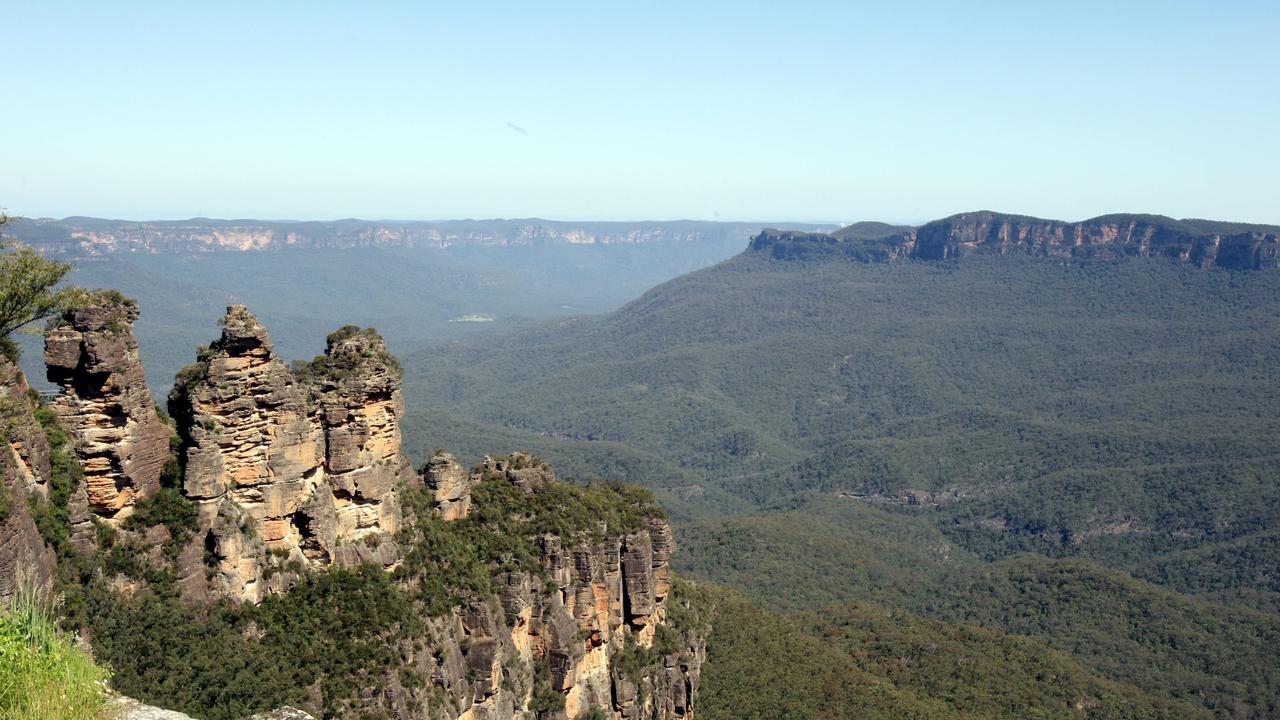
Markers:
(620, 221)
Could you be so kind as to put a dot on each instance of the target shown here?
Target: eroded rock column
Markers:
(253, 459)
(356, 385)
(105, 405)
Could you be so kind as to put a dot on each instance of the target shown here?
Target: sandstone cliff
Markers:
(104, 403)
(94, 236)
(585, 627)
(1202, 243)
(24, 473)
(288, 475)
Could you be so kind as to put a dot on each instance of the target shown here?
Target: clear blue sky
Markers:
(901, 111)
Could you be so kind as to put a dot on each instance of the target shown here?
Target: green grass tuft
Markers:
(43, 675)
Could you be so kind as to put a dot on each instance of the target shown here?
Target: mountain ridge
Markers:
(89, 236)
(1198, 242)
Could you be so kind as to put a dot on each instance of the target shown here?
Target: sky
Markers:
(831, 112)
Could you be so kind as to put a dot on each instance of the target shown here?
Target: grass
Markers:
(43, 675)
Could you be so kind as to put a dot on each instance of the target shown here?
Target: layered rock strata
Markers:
(104, 403)
(592, 601)
(287, 474)
(1202, 243)
(24, 474)
(563, 631)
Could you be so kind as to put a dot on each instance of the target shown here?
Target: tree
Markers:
(27, 281)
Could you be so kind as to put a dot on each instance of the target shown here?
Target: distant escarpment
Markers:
(83, 236)
(268, 543)
(1202, 243)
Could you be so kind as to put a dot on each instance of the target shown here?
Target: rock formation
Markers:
(24, 473)
(593, 601)
(1202, 243)
(356, 385)
(290, 474)
(293, 469)
(450, 485)
(104, 403)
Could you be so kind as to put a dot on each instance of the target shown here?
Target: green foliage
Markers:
(840, 558)
(27, 281)
(343, 333)
(10, 350)
(335, 366)
(1168, 644)
(168, 507)
(76, 297)
(865, 662)
(546, 699)
(1120, 411)
(229, 661)
(188, 378)
(335, 629)
(820, 554)
(43, 674)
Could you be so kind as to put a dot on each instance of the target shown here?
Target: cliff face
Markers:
(287, 475)
(1197, 242)
(94, 236)
(595, 607)
(105, 404)
(1113, 236)
(356, 386)
(24, 473)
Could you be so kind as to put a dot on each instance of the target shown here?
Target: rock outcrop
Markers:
(104, 403)
(584, 630)
(450, 486)
(289, 474)
(1202, 243)
(356, 386)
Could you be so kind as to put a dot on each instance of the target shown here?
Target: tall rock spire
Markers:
(290, 471)
(91, 354)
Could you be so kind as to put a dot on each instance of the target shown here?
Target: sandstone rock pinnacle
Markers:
(91, 354)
